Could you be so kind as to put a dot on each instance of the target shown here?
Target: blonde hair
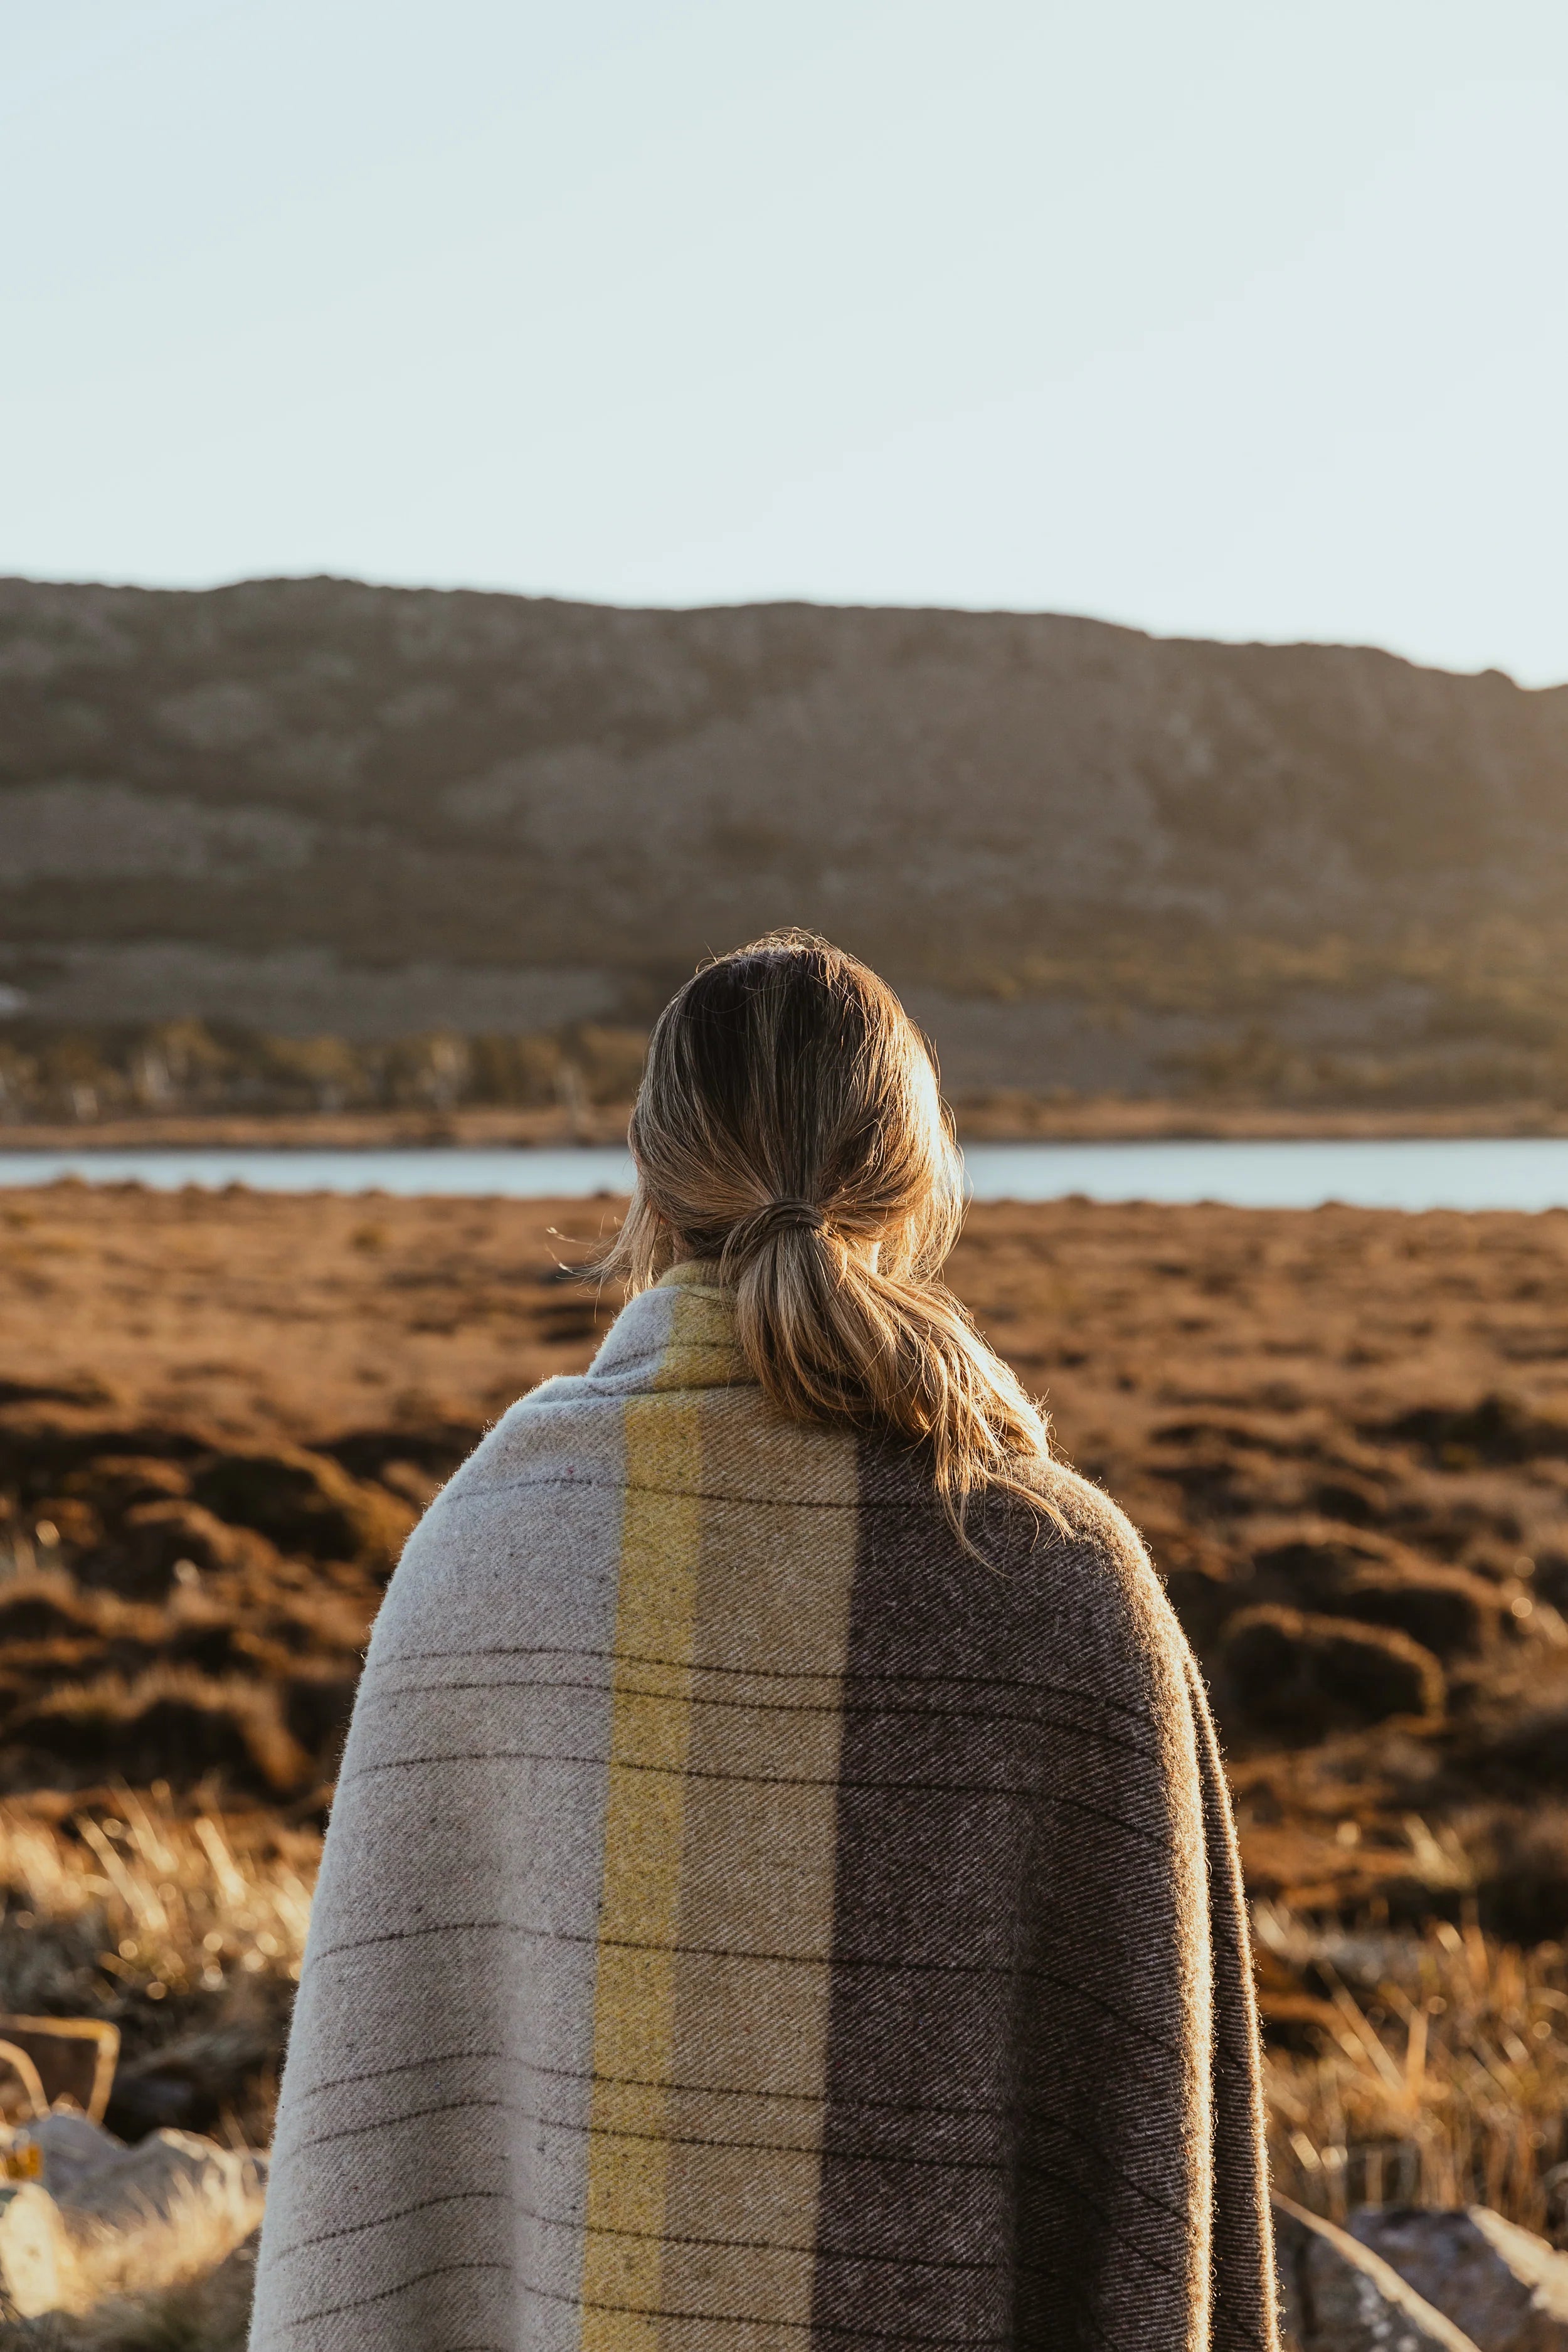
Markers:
(789, 1129)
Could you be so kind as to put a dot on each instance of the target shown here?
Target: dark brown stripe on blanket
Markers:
(912, 2230)
(995, 1930)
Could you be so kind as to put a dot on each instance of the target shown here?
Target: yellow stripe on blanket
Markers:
(634, 2003)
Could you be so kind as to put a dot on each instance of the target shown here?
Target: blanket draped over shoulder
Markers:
(750, 1923)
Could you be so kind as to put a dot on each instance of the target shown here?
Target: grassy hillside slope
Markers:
(1092, 857)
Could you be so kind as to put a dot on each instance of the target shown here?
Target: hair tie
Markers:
(789, 1213)
(785, 1215)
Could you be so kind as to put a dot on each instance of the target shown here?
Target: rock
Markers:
(1504, 2285)
(164, 2179)
(32, 2249)
(1302, 1676)
(1337, 2296)
(71, 2147)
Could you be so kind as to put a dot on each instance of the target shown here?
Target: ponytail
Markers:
(788, 1128)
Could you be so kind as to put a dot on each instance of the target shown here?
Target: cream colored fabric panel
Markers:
(430, 2181)
(757, 1894)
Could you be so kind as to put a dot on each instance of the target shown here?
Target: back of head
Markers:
(789, 1129)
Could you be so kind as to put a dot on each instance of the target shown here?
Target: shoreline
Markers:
(996, 1119)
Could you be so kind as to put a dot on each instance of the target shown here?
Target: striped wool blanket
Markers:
(749, 1923)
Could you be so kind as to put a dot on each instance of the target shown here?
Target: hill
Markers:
(1091, 858)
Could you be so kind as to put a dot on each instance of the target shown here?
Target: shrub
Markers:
(1283, 1670)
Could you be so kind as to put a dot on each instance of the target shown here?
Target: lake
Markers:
(1528, 1173)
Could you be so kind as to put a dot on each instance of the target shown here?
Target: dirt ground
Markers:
(1358, 1416)
(1344, 1434)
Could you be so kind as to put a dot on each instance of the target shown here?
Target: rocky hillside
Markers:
(1091, 856)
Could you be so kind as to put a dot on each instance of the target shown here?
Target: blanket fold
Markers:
(749, 1923)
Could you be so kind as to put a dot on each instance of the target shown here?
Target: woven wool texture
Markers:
(748, 1922)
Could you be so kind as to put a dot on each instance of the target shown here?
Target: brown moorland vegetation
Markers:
(1344, 1434)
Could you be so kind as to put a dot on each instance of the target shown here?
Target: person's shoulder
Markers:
(567, 1425)
(562, 1436)
(1094, 1556)
(1086, 1518)
(548, 1474)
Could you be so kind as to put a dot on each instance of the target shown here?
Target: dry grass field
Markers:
(1344, 1434)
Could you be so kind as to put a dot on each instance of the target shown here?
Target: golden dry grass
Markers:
(157, 2284)
(1437, 2073)
(168, 1907)
(187, 1932)
(190, 1932)
(190, 2293)
(1438, 2078)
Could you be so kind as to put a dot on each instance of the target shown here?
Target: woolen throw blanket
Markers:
(749, 1923)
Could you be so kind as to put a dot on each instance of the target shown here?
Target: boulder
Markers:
(1506, 2288)
(1337, 2296)
(69, 2147)
(165, 2177)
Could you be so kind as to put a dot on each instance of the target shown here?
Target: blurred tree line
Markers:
(1258, 1066)
(1424, 1018)
(87, 1074)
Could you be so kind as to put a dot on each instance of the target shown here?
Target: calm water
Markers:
(1513, 1172)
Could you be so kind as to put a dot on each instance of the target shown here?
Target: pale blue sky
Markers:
(1228, 318)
